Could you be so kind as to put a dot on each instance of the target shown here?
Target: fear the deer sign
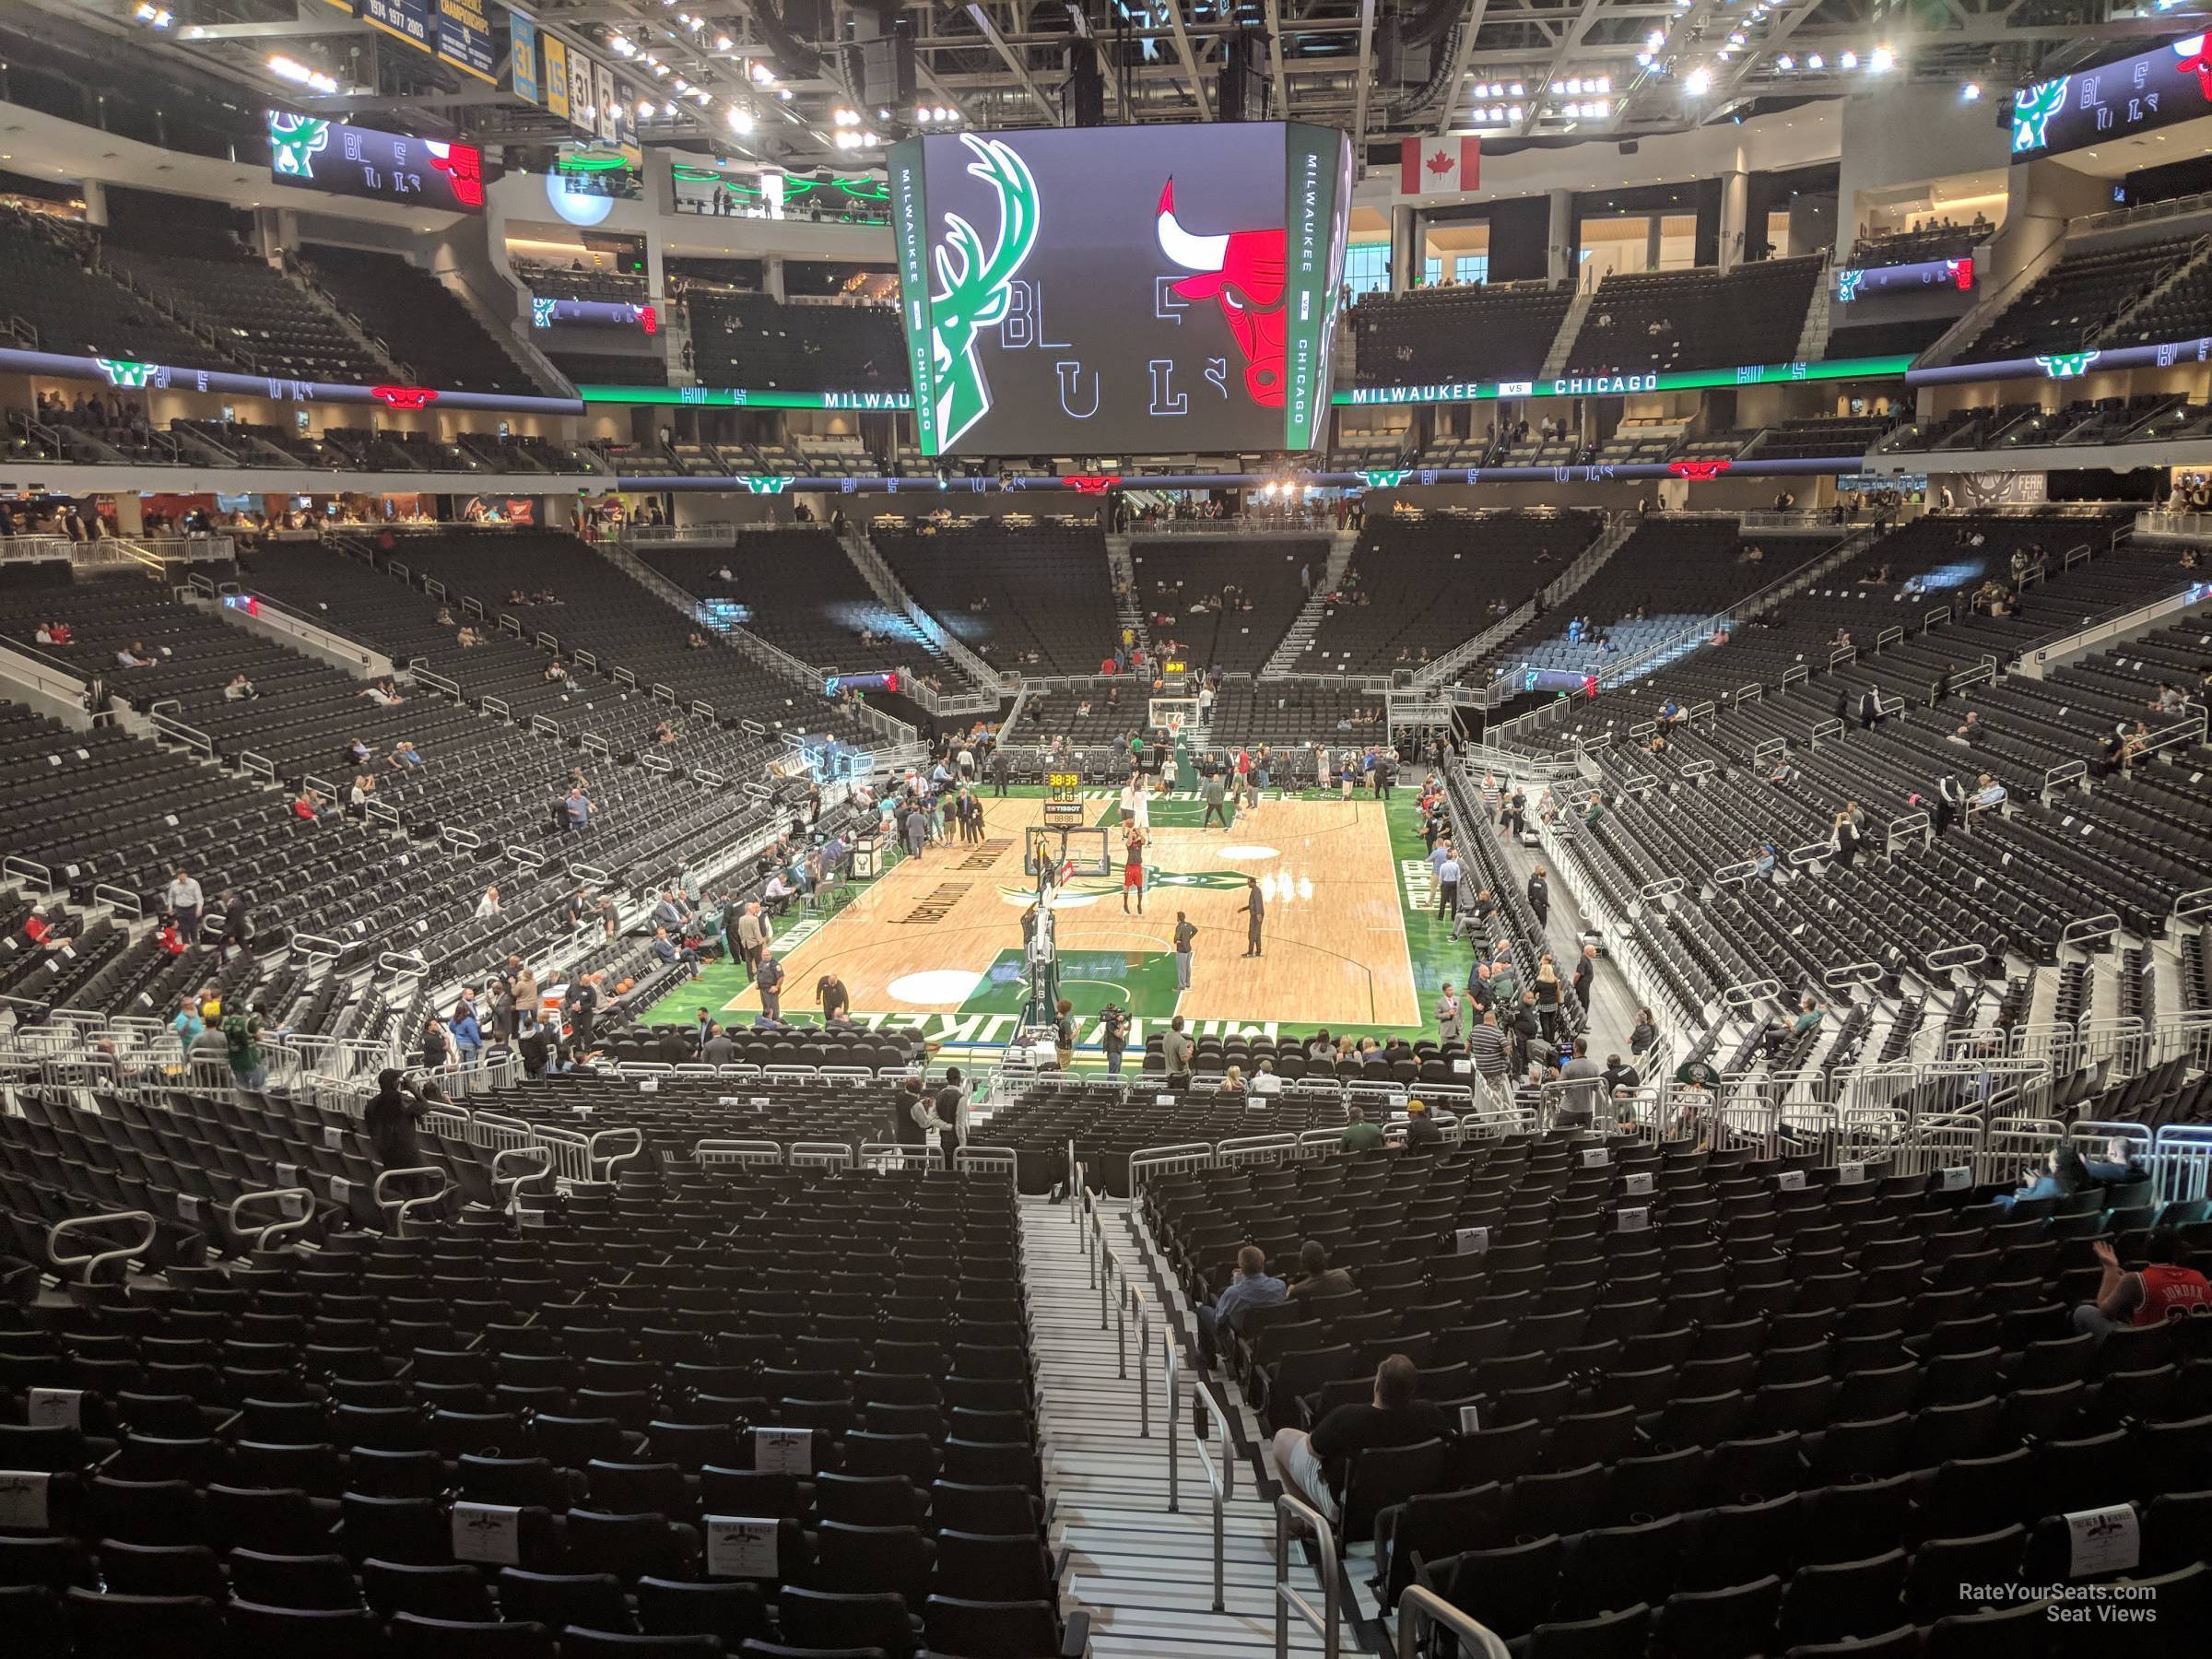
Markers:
(974, 289)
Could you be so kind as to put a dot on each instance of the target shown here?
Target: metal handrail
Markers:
(285, 1224)
(1221, 1478)
(1419, 1608)
(1327, 1622)
(92, 1260)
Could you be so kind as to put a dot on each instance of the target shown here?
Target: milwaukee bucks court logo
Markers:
(294, 143)
(975, 288)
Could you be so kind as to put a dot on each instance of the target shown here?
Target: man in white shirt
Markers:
(184, 899)
(1990, 794)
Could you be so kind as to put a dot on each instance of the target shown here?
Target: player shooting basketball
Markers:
(1132, 868)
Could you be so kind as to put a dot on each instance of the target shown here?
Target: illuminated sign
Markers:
(2138, 94)
(545, 310)
(342, 159)
(137, 376)
(1899, 279)
(584, 208)
(1614, 385)
(746, 397)
(835, 683)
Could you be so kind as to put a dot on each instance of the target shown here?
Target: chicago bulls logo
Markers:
(403, 397)
(1243, 272)
(1091, 483)
(463, 164)
(1697, 472)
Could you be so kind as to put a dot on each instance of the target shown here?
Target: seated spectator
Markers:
(667, 949)
(239, 689)
(1315, 1276)
(307, 805)
(404, 754)
(1989, 793)
(2166, 1289)
(1421, 1129)
(776, 897)
(1360, 1136)
(1313, 1466)
(134, 655)
(1254, 1286)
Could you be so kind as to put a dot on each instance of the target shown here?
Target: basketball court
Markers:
(936, 943)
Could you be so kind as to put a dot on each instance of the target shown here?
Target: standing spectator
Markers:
(241, 1043)
(769, 979)
(1256, 907)
(389, 1119)
(947, 1109)
(1215, 794)
(1185, 937)
(1176, 1048)
(1486, 1047)
(576, 810)
(1645, 1034)
(1064, 1033)
(237, 925)
(754, 933)
(1450, 1017)
(1584, 971)
(1447, 880)
(1540, 895)
(1578, 1105)
(184, 900)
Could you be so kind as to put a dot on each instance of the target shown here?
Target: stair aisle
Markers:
(1143, 1576)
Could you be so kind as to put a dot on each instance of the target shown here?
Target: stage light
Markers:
(1736, 39)
(1850, 60)
(1971, 92)
(1815, 61)
(724, 42)
(644, 108)
(740, 121)
(845, 118)
(1700, 82)
(1604, 83)
(1573, 86)
(1515, 112)
(1785, 63)
(1644, 59)
(1655, 39)
(1882, 61)
(668, 110)
(1517, 88)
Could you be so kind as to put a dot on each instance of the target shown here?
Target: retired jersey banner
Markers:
(521, 57)
(582, 111)
(557, 77)
(602, 98)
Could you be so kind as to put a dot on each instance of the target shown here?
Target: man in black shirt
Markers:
(1313, 1466)
(768, 978)
(949, 1099)
(389, 1119)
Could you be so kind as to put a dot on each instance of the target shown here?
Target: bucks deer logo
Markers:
(975, 288)
(2033, 108)
(294, 143)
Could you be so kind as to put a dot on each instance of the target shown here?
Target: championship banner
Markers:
(464, 38)
(521, 57)
(408, 21)
(557, 76)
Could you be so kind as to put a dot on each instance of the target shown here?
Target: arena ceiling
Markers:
(768, 80)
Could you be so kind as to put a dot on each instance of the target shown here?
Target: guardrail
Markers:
(1327, 1621)
(1421, 1609)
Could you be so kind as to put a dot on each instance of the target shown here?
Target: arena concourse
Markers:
(847, 831)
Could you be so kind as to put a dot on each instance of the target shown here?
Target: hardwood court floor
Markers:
(942, 934)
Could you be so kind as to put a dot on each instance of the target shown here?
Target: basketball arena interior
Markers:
(1005, 830)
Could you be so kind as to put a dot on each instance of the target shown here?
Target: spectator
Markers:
(1578, 1104)
(242, 1044)
(1645, 1034)
(1360, 1136)
(239, 689)
(489, 905)
(389, 1120)
(1315, 1276)
(2166, 1289)
(1421, 1129)
(1176, 1049)
(1313, 1466)
(184, 900)
(671, 951)
(946, 1108)
(1254, 1286)
(768, 978)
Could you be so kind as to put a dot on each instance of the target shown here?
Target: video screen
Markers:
(1103, 290)
(340, 160)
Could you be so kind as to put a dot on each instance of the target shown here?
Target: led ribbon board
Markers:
(2138, 94)
(128, 374)
(1619, 385)
(1106, 289)
(744, 398)
(342, 159)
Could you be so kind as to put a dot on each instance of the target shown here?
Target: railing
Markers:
(26, 550)
(1326, 1620)
(713, 534)
(1221, 1478)
(2116, 626)
(2179, 526)
(1175, 528)
(1420, 1608)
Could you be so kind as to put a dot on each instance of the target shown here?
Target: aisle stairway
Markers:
(1144, 1575)
(1284, 658)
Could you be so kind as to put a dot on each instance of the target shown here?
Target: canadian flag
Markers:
(1438, 165)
